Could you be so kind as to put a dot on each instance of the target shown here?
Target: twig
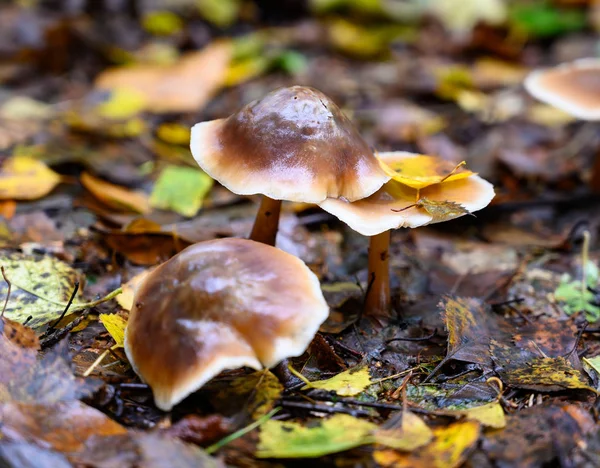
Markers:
(7, 293)
(75, 289)
(423, 338)
(322, 408)
(577, 340)
(58, 333)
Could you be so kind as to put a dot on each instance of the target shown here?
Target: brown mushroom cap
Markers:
(374, 215)
(293, 144)
(219, 305)
(572, 87)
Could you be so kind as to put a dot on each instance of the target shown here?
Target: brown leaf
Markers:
(199, 430)
(65, 426)
(115, 196)
(185, 86)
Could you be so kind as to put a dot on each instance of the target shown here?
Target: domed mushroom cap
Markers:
(375, 214)
(293, 144)
(220, 305)
(572, 87)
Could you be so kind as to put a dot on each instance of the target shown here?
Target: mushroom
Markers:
(294, 144)
(397, 205)
(573, 88)
(219, 305)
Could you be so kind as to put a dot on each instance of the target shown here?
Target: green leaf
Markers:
(574, 298)
(162, 23)
(221, 13)
(541, 19)
(280, 439)
(181, 189)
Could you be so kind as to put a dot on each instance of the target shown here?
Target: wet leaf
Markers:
(405, 432)
(535, 372)
(24, 455)
(115, 325)
(125, 299)
(468, 330)
(449, 449)
(422, 171)
(184, 86)
(594, 363)
(25, 178)
(260, 390)
(536, 436)
(441, 210)
(114, 196)
(147, 450)
(63, 426)
(316, 438)
(121, 104)
(181, 189)
(41, 288)
(348, 383)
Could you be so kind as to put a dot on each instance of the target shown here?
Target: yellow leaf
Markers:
(410, 434)
(122, 104)
(162, 23)
(448, 449)
(439, 210)
(115, 325)
(489, 415)
(260, 390)
(348, 383)
(25, 178)
(549, 116)
(115, 196)
(125, 299)
(421, 171)
(174, 133)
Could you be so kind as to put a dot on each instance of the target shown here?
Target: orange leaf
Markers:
(115, 196)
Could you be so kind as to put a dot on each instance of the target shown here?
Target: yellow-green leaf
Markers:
(181, 189)
(422, 171)
(162, 23)
(115, 326)
(489, 415)
(408, 434)
(174, 133)
(25, 178)
(448, 449)
(122, 104)
(264, 390)
(281, 439)
(594, 363)
(348, 383)
(41, 288)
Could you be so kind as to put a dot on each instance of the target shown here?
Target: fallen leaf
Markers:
(181, 189)
(348, 383)
(221, 13)
(489, 415)
(25, 178)
(575, 298)
(260, 390)
(41, 287)
(114, 196)
(441, 210)
(121, 104)
(422, 171)
(64, 426)
(162, 23)
(405, 431)
(8, 208)
(316, 438)
(449, 449)
(174, 134)
(542, 19)
(460, 18)
(139, 449)
(125, 299)
(115, 326)
(25, 108)
(24, 455)
(520, 369)
(184, 86)
(538, 436)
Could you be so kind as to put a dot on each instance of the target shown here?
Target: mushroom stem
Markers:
(378, 293)
(267, 221)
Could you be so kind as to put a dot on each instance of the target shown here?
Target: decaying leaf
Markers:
(64, 426)
(405, 431)
(261, 390)
(28, 377)
(519, 368)
(25, 178)
(316, 438)
(538, 436)
(468, 330)
(439, 210)
(114, 196)
(181, 189)
(489, 415)
(41, 288)
(184, 86)
(422, 171)
(125, 299)
(115, 325)
(348, 383)
(449, 449)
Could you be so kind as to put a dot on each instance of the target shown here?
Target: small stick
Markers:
(7, 293)
(423, 338)
(323, 408)
(75, 289)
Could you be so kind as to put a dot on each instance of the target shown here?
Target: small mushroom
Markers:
(573, 88)
(293, 144)
(396, 205)
(219, 305)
